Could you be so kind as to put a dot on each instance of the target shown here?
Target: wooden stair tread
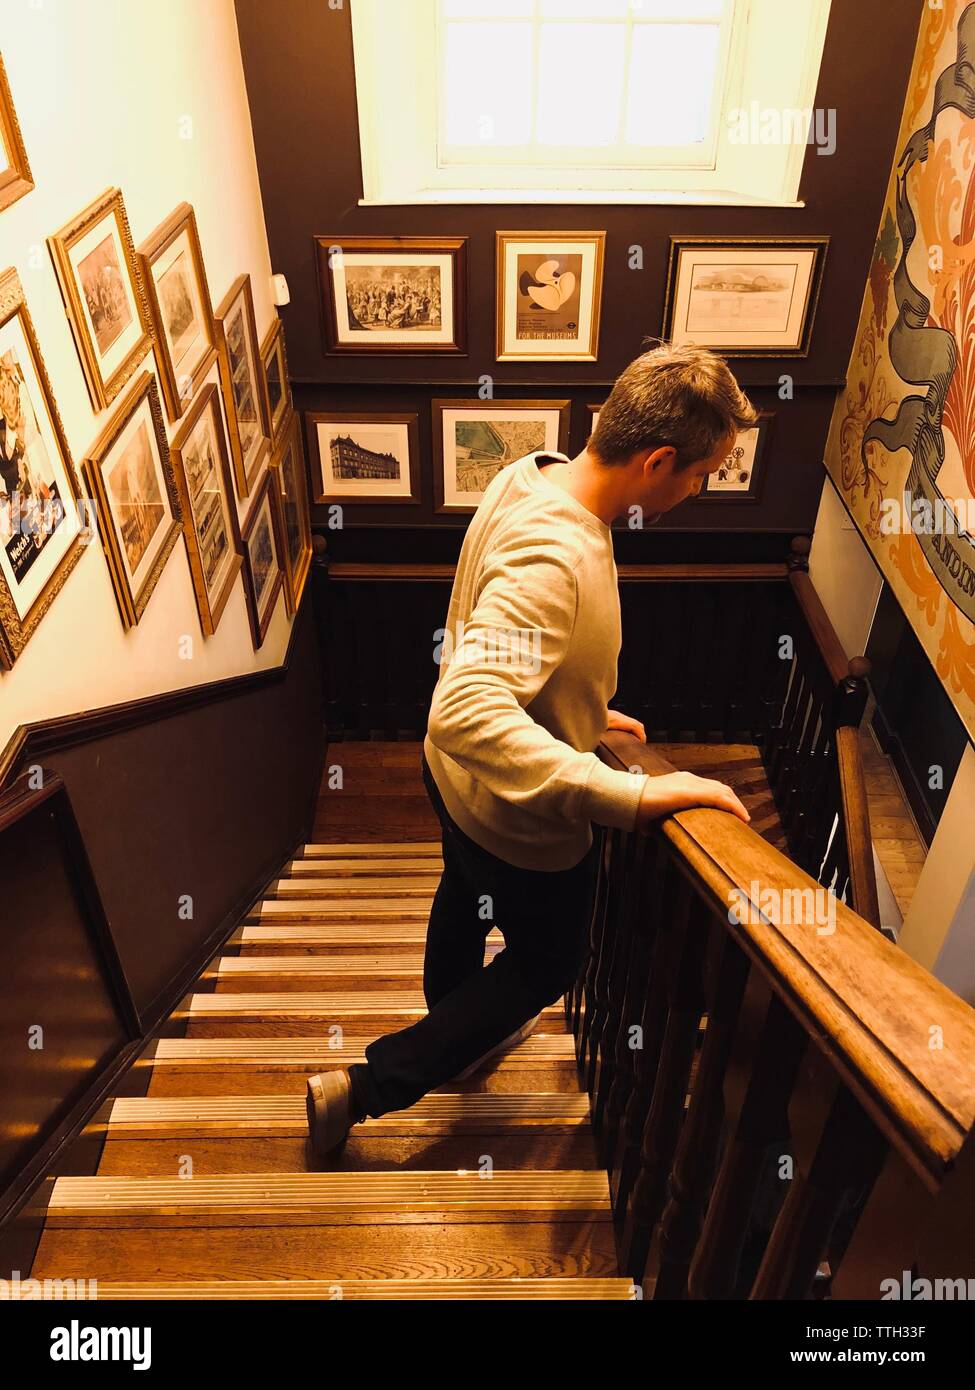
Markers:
(366, 850)
(337, 933)
(326, 909)
(351, 889)
(353, 868)
(310, 1290)
(318, 1002)
(235, 968)
(310, 1053)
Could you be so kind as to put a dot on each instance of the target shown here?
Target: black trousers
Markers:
(544, 919)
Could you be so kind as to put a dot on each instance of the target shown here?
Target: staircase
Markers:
(489, 1188)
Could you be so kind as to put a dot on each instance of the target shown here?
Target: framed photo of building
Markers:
(174, 275)
(130, 475)
(288, 468)
(210, 528)
(103, 294)
(274, 363)
(740, 477)
(370, 457)
(390, 295)
(549, 291)
(744, 296)
(472, 443)
(42, 527)
(15, 175)
(242, 380)
(263, 558)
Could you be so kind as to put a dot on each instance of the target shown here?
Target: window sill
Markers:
(584, 197)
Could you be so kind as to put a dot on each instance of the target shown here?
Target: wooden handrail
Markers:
(736, 573)
(866, 1004)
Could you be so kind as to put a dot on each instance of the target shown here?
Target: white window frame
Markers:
(774, 55)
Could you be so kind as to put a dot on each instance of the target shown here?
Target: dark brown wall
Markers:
(298, 65)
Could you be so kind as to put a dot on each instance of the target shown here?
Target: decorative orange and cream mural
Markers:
(901, 447)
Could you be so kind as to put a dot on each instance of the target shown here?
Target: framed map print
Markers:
(288, 468)
(472, 443)
(171, 263)
(263, 558)
(210, 529)
(368, 457)
(549, 290)
(389, 295)
(744, 296)
(15, 175)
(42, 527)
(130, 475)
(740, 477)
(241, 377)
(103, 295)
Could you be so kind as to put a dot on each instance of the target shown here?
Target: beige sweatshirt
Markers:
(528, 666)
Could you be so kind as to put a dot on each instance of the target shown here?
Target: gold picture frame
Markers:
(36, 464)
(241, 380)
(288, 468)
(211, 531)
(274, 365)
(547, 284)
(104, 297)
(263, 552)
(171, 262)
(130, 476)
(15, 175)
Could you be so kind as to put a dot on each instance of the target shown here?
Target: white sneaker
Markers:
(512, 1040)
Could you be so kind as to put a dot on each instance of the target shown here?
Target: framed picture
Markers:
(288, 468)
(174, 275)
(130, 475)
(472, 443)
(274, 363)
(744, 296)
(241, 376)
(15, 175)
(593, 418)
(210, 528)
(263, 558)
(740, 477)
(549, 291)
(42, 529)
(392, 295)
(370, 457)
(103, 295)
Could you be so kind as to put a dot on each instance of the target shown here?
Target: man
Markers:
(519, 707)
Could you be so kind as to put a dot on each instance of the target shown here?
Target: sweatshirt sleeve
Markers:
(517, 635)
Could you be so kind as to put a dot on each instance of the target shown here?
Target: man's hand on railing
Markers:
(624, 724)
(679, 791)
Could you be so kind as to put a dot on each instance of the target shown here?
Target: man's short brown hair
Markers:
(683, 396)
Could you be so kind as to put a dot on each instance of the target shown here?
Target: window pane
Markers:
(580, 82)
(672, 79)
(678, 9)
(479, 107)
(587, 9)
(487, 9)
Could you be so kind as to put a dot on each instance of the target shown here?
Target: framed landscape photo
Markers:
(274, 362)
(103, 294)
(472, 443)
(241, 377)
(174, 275)
(549, 292)
(369, 457)
(288, 468)
(740, 477)
(263, 558)
(392, 295)
(15, 175)
(130, 475)
(744, 296)
(210, 528)
(42, 529)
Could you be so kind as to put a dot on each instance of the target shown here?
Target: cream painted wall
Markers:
(106, 91)
(843, 572)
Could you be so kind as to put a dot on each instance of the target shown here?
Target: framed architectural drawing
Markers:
(263, 558)
(15, 175)
(744, 296)
(210, 528)
(274, 363)
(241, 377)
(130, 475)
(549, 291)
(368, 457)
(472, 443)
(103, 295)
(740, 477)
(288, 468)
(174, 275)
(42, 527)
(390, 295)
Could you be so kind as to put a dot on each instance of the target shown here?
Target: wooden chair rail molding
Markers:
(869, 1008)
(644, 574)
